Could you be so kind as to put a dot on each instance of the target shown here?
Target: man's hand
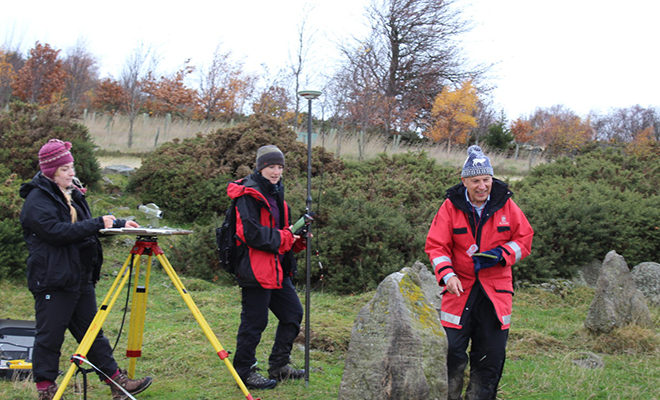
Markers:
(454, 286)
(487, 259)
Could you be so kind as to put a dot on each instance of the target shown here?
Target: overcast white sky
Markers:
(589, 55)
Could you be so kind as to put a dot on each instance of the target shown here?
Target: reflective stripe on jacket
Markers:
(452, 234)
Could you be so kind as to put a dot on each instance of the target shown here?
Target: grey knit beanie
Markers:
(476, 163)
(269, 155)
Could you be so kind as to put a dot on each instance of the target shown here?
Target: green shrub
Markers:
(13, 251)
(582, 208)
(27, 127)
(499, 137)
(374, 218)
(371, 220)
(189, 179)
(195, 254)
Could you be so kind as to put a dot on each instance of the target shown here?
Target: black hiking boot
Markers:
(254, 380)
(285, 372)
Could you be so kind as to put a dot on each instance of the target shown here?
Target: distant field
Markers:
(111, 135)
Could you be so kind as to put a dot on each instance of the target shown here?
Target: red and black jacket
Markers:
(267, 255)
(454, 230)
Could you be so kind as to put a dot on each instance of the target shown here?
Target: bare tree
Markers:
(223, 87)
(365, 105)
(274, 101)
(299, 60)
(415, 53)
(624, 124)
(82, 74)
(486, 116)
(132, 75)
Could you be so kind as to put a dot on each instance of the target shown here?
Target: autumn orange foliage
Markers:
(7, 75)
(42, 77)
(562, 132)
(274, 101)
(109, 96)
(644, 145)
(169, 94)
(521, 130)
(454, 114)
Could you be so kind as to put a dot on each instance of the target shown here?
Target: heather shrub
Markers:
(27, 127)
(584, 207)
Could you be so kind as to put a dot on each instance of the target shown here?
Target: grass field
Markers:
(547, 335)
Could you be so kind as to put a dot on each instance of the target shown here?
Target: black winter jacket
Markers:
(62, 255)
(259, 262)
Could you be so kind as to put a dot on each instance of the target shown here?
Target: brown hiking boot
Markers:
(132, 386)
(49, 393)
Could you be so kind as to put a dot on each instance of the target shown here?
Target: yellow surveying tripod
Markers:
(145, 244)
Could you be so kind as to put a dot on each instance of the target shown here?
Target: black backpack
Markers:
(225, 237)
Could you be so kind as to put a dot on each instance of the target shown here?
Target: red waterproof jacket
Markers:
(267, 256)
(456, 228)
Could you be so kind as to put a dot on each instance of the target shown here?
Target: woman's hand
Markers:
(132, 224)
(108, 221)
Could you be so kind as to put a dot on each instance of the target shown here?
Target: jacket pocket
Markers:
(36, 273)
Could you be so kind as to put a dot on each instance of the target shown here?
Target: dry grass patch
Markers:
(530, 342)
(633, 340)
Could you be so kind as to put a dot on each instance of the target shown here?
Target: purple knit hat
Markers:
(53, 155)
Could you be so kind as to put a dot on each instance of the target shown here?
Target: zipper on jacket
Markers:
(277, 272)
(277, 258)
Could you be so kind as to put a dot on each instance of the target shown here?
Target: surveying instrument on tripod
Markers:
(146, 244)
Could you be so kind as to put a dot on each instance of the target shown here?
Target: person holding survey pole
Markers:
(474, 239)
(264, 269)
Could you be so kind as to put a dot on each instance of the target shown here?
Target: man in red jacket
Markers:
(474, 240)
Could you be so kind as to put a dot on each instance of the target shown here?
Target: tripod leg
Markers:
(138, 312)
(224, 356)
(97, 323)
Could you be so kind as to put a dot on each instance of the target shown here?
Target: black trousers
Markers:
(487, 352)
(256, 301)
(57, 311)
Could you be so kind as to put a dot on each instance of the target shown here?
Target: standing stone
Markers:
(617, 302)
(647, 279)
(398, 347)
